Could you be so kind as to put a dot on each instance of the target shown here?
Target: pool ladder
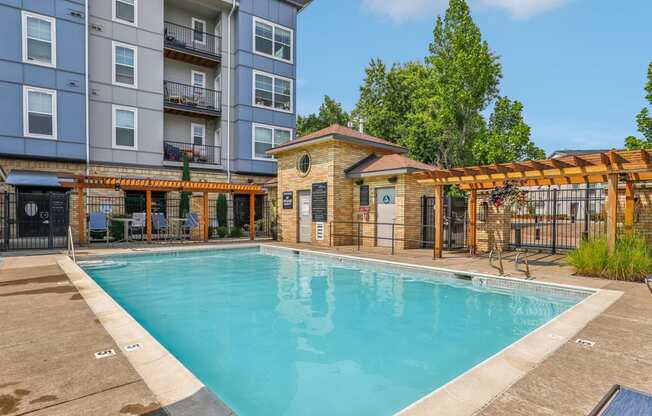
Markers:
(501, 268)
(71, 245)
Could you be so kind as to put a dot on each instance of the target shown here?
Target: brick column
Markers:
(197, 207)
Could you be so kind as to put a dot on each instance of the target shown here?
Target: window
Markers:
(125, 11)
(198, 132)
(272, 40)
(303, 165)
(125, 127)
(39, 39)
(198, 79)
(125, 63)
(272, 91)
(39, 113)
(266, 137)
(199, 31)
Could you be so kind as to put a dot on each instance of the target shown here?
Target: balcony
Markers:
(173, 151)
(190, 100)
(188, 45)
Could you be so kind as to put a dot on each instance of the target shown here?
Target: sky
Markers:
(578, 66)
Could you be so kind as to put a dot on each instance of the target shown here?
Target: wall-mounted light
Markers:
(250, 180)
(393, 179)
(359, 182)
(117, 186)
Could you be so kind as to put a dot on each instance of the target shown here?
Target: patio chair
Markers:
(160, 225)
(648, 282)
(192, 222)
(138, 224)
(621, 401)
(98, 222)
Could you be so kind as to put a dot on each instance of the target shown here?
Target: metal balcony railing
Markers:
(186, 38)
(189, 97)
(173, 151)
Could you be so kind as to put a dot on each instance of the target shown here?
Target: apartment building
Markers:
(211, 80)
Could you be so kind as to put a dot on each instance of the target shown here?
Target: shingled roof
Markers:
(385, 164)
(339, 133)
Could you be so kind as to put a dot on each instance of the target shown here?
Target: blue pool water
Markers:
(281, 334)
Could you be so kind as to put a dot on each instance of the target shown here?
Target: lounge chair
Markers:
(623, 401)
(138, 224)
(160, 225)
(98, 222)
(192, 222)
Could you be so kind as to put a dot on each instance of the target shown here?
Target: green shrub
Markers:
(222, 232)
(630, 261)
(222, 209)
(236, 233)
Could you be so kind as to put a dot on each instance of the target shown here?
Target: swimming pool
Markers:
(274, 332)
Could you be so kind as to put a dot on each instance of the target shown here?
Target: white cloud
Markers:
(522, 9)
(402, 10)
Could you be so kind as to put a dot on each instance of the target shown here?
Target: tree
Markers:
(507, 137)
(643, 120)
(184, 203)
(330, 112)
(466, 76)
(434, 108)
(222, 210)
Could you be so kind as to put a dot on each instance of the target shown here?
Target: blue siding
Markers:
(68, 79)
(246, 62)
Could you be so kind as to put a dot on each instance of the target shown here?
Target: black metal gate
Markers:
(33, 220)
(558, 219)
(455, 222)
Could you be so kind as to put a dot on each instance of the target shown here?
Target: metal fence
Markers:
(455, 222)
(229, 217)
(34, 220)
(559, 219)
(185, 38)
(377, 234)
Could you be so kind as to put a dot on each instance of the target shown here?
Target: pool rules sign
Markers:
(320, 202)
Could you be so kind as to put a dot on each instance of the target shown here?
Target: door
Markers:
(305, 220)
(385, 216)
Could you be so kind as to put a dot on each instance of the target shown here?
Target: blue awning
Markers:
(33, 178)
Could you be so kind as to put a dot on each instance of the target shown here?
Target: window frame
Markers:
(274, 77)
(204, 32)
(274, 26)
(119, 20)
(192, 133)
(114, 109)
(271, 158)
(53, 38)
(53, 94)
(114, 45)
(194, 72)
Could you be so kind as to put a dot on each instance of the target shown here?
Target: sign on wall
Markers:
(320, 202)
(288, 201)
(364, 195)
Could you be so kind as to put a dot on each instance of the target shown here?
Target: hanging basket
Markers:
(509, 195)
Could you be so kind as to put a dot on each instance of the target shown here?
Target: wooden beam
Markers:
(612, 211)
(81, 201)
(439, 221)
(473, 221)
(148, 214)
(629, 205)
(252, 214)
(206, 216)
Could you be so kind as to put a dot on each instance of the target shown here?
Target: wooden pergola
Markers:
(81, 183)
(612, 167)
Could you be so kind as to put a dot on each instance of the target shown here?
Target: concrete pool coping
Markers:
(467, 394)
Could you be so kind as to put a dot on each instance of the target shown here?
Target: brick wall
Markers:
(494, 225)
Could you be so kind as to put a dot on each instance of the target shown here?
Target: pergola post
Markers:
(439, 221)
(205, 216)
(148, 213)
(629, 205)
(81, 201)
(473, 221)
(612, 211)
(252, 214)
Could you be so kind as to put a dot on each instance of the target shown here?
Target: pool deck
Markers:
(55, 373)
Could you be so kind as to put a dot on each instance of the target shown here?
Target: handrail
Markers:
(185, 95)
(71, 245)
(173, 151)
(184, 37)
(527, 264)
(500, 268)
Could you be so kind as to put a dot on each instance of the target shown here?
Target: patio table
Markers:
(126, 222)
(177, 224)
